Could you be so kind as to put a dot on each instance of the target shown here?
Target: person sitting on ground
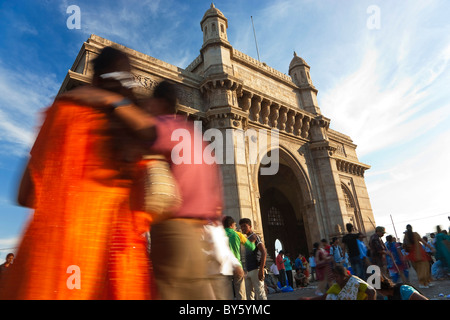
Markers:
(399, 291)
(300, 279)
(347, 287)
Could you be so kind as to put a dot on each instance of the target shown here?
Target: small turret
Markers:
(299, 72)
(216, 48)
(214, 25)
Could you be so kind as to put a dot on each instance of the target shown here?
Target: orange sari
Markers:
(83, 242)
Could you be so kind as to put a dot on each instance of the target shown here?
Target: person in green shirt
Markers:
(236, 239)
(288, 268)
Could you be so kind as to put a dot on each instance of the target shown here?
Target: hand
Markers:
(238, 272)
(261, 275)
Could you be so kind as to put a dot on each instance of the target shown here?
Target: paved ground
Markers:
(439, 287)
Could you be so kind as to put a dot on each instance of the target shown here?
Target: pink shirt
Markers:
(200, 183)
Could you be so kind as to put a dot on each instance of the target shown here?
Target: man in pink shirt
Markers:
(179, 263)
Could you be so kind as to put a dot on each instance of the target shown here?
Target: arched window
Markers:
(349, 203)
(352, 211)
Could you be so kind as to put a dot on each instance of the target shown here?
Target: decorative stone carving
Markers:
(282, 118)
(290, 121)
(265, 111)
(274, 114)
(255, 108)
(305, 127)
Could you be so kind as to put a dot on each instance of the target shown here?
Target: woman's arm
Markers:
(417, 296)
(25, 196)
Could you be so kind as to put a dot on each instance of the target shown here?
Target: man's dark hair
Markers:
(245, 221)
(167, 91)
(349, 227)
(107, 59)
(227, 221)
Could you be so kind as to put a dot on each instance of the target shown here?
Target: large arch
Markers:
(287, 207)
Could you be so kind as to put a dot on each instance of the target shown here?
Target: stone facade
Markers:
(319, 185)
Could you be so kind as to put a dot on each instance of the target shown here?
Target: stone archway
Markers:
(285, 202)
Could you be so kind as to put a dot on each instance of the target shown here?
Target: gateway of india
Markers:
(319, 185)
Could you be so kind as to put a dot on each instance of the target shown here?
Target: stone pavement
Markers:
(432, 293)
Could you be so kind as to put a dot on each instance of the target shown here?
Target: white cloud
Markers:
(22, 95)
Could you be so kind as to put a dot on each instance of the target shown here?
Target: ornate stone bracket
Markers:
(356, 169)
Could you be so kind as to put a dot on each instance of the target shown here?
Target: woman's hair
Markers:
(107, 60)
(387, 284)
(409, 234)
(315, 248)
(167, 91)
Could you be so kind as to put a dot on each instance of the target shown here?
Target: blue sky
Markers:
(385, 84)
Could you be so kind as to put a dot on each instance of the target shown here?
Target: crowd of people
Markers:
(344, 264)
(80, 182)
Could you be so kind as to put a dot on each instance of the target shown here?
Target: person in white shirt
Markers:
(312, 265)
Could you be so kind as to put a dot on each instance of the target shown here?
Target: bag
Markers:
(155, 190)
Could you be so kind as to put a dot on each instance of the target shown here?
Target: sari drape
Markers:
(81, 215)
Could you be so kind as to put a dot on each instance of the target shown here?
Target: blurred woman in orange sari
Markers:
(83, 242)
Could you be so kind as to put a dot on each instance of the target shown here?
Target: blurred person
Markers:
(274, 270)
(399, 291)
(417, 255)
(439, 271)
(255, 261)
(78, 181)
(351, 247)
(178, 245)
(298, 263)
(442, 247)
(300, 279)
(270, 284)
(431, 242)
(429, 250)
(396, 262)
(326, 245)
(306, 267)
(336, 251)
(6, 266)
(281, 268)
(363, 254)
(8, 262)
(180, 236)
(288, 267)
(323, 267)
(312, 265)
(235, 240)
(378, 250)
(347, 287)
